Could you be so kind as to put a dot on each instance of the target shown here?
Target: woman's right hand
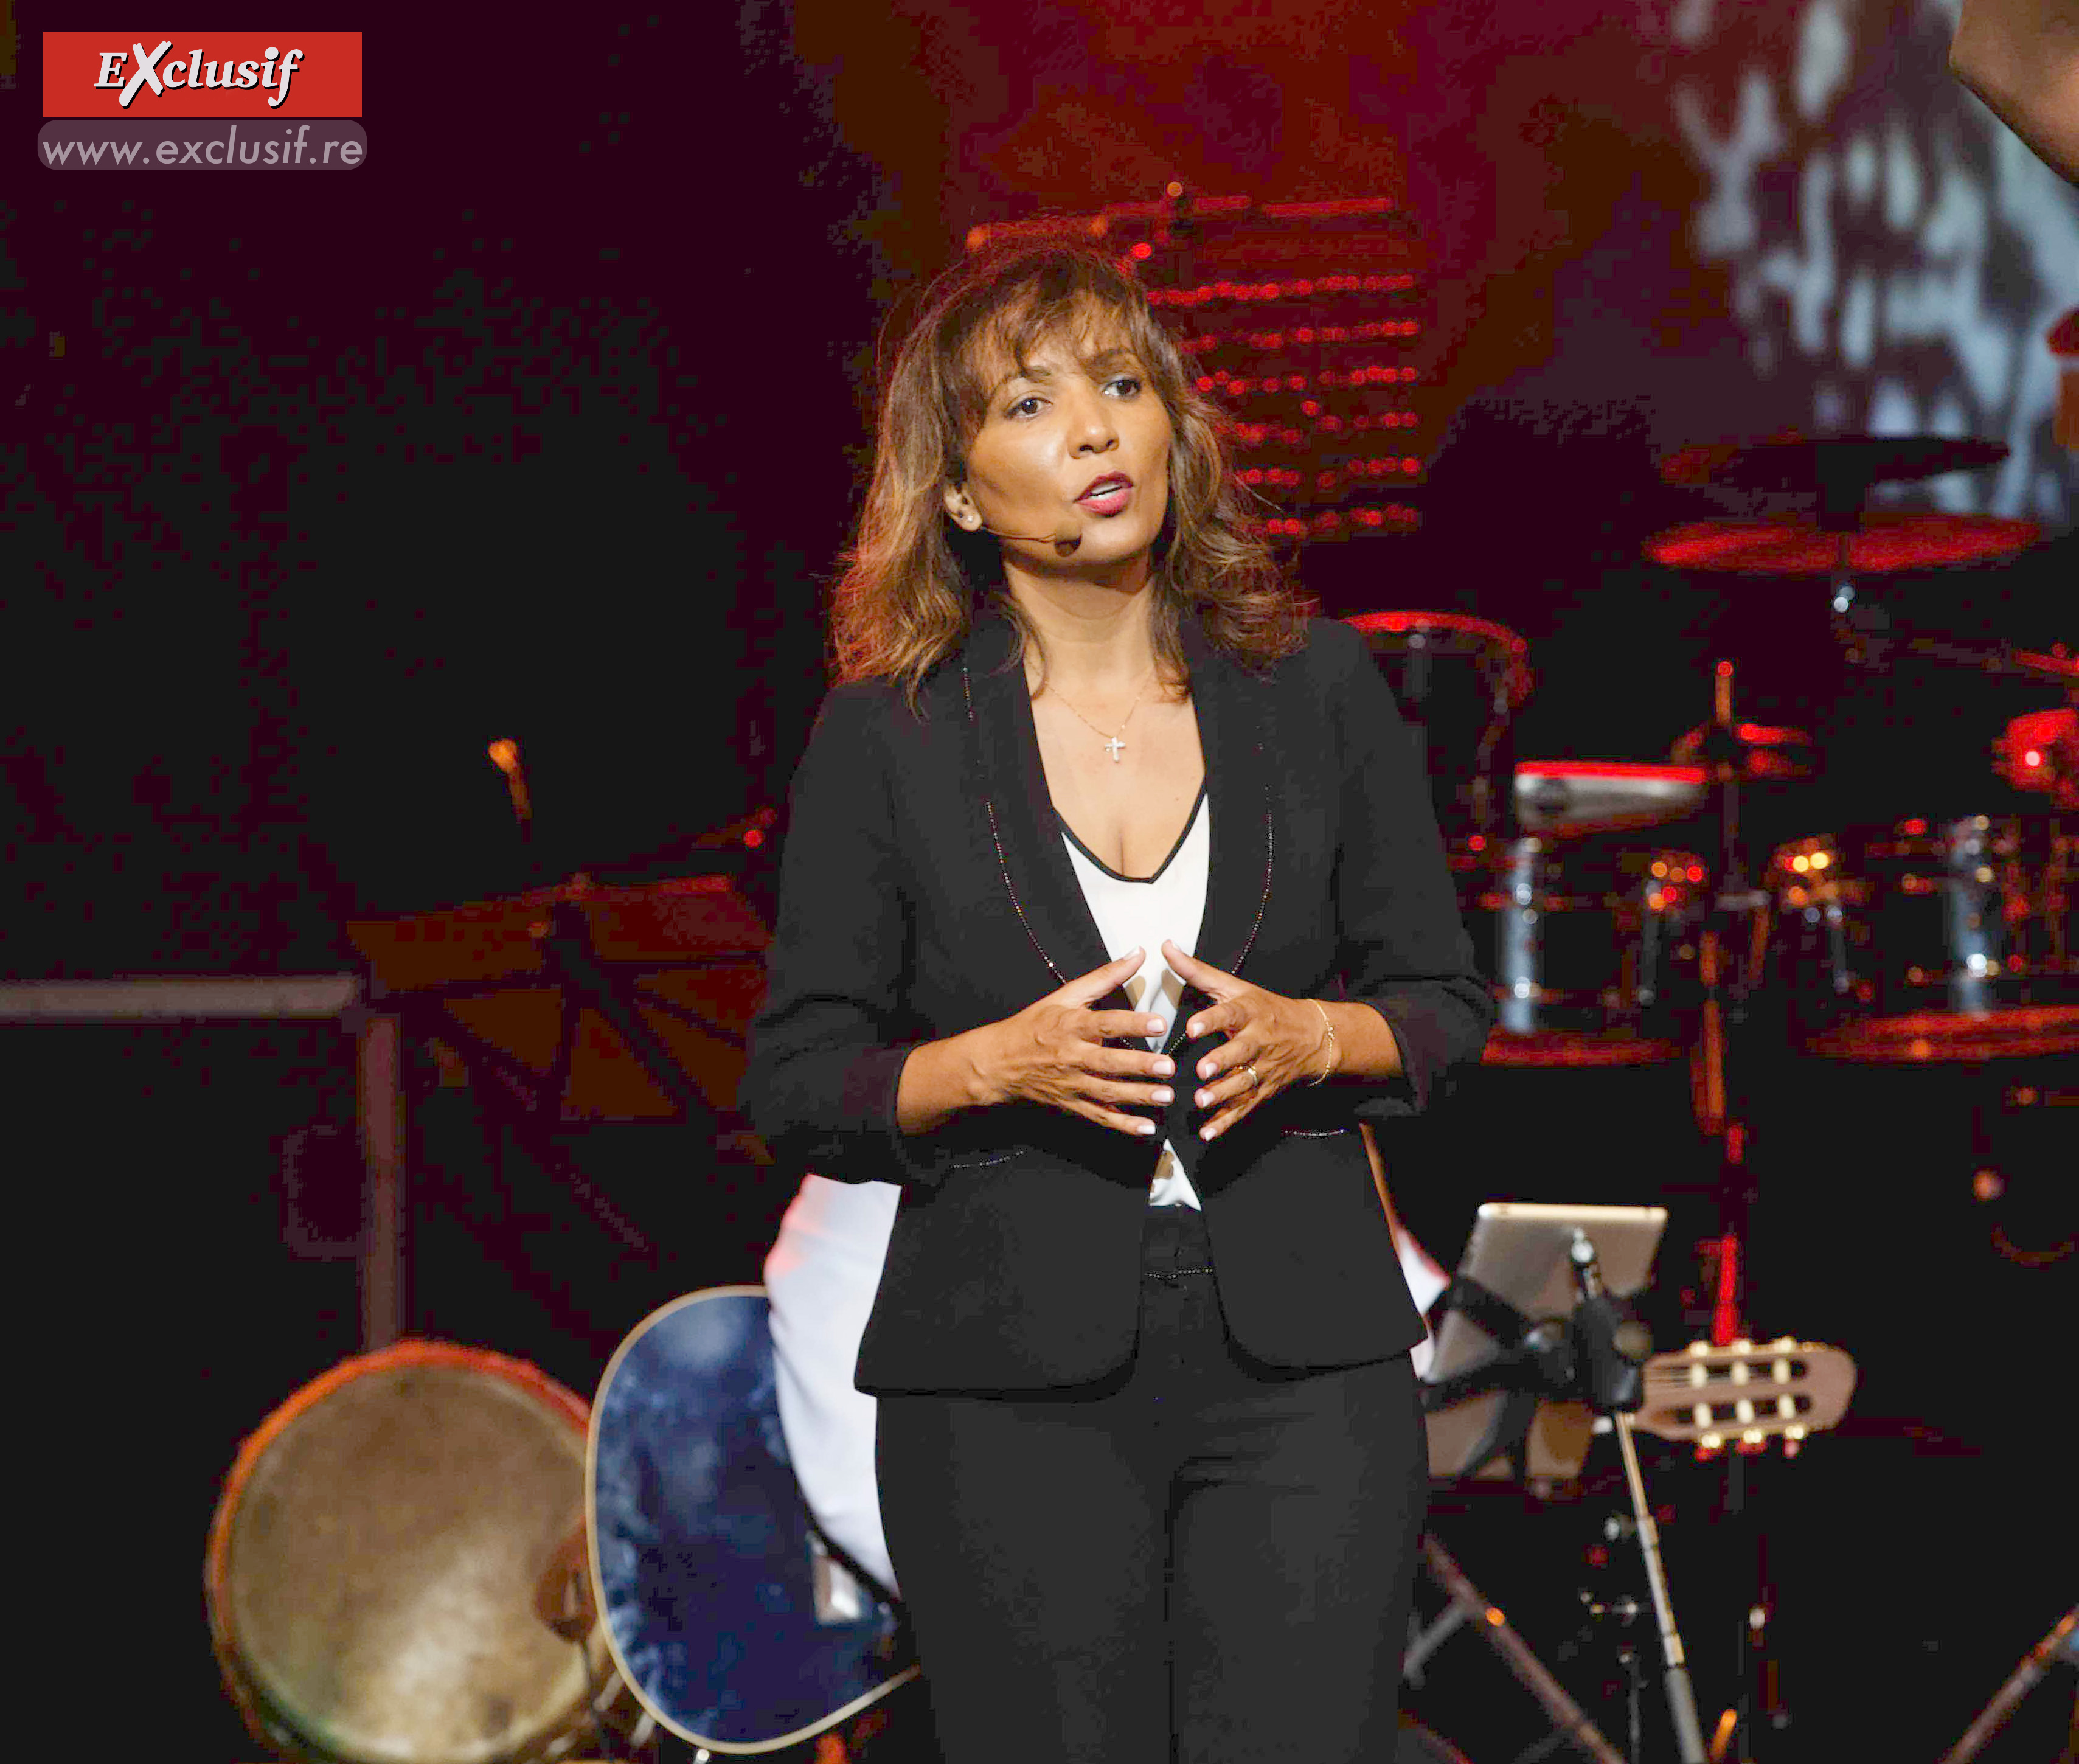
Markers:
(1053, 1052)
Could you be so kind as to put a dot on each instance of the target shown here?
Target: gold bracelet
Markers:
(1328, 1071)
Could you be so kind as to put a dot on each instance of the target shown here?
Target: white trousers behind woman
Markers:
(821, 1275)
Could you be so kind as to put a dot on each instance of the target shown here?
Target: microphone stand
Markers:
(1681, 1696)
(1582, 1359)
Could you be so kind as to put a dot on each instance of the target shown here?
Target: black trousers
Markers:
(1201, 1558)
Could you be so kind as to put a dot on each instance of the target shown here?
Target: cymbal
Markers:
(1824, 465)
(1768, 752)
(1885, 543)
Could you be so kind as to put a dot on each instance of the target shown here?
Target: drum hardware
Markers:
(1571, 1724)
(2061, 1643)
(1619, 1614)
(1765, 753)
(1837, 539)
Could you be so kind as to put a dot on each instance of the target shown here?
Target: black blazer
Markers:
(925, 890)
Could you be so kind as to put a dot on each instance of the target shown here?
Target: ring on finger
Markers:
(1254, 1080)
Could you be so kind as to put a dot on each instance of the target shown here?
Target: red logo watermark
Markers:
(174, 76)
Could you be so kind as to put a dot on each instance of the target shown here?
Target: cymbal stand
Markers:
(1571, 1724)
(1681, 1696)
(1727, 981)
(2063, 1638)
(1867, 635)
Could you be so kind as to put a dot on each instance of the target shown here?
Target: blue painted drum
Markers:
(725, 1613)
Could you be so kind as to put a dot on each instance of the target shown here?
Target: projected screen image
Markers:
(1891, 242)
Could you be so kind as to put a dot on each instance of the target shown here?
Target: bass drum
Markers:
(1418, 1746)
(373, 1561)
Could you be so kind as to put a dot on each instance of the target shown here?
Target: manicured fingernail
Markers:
(1155, 1026)
(1191, 1028)
(1163, 1096)
(1146, 1126)
(1206, 1069)
(1205, 1133)
(1165, 1068)
(1202, 1098)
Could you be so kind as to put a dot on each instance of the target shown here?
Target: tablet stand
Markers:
(1592, 1356)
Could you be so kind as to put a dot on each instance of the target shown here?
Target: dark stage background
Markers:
(547, 424)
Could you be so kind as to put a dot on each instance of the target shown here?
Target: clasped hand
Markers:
(1053, 1052)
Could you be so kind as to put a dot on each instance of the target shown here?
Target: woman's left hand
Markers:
(1272, 1042)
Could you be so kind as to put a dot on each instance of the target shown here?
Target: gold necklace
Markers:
(1114, 745)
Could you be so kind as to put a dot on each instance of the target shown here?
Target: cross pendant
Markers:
(1112, 747)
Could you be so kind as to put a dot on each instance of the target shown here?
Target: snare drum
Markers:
(1930, 940)
(1591, 944)
(372, 1567)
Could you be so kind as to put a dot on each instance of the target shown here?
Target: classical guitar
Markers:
(727, 1616)
(1746, 1393)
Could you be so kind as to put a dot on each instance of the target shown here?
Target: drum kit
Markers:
(1625, 922)
(1931, 939)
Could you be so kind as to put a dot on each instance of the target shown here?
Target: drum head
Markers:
(373, 1562)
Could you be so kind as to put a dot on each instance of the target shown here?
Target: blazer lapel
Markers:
(1023, 826)
(1232, 711)
(1233, 714)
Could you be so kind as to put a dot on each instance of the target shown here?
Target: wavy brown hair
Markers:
(912, 578)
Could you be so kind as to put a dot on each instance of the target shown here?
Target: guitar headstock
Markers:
(1745, 1394)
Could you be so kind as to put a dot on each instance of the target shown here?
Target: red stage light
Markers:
(1411, 464)
(754, 838)
(2033, 757)
(1144, 251)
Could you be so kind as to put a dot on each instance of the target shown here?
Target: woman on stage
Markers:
(1111, 903)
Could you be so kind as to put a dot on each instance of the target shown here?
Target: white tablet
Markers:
(1520, 1252)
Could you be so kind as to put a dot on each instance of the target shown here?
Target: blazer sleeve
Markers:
(1404, 948)
(828, 1046)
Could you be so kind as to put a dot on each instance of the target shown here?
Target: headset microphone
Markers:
(1065, 544)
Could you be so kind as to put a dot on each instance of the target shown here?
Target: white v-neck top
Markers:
(1142, 911)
